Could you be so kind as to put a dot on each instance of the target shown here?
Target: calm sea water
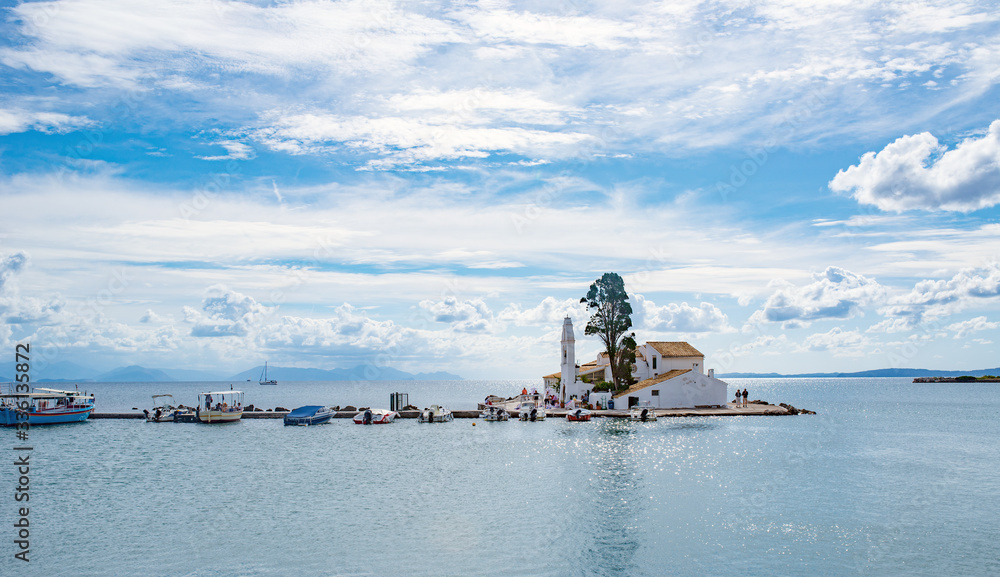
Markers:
(890, 478)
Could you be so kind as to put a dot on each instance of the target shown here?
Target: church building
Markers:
(667, 374)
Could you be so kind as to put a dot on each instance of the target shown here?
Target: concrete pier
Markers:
(730, 410)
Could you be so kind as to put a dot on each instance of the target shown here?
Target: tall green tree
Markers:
(611, 320)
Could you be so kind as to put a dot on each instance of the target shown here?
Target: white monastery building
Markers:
(668, 374)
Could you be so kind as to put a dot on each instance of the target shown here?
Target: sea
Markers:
(889, 478)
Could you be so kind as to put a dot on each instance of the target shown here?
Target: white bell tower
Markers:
(568, 377)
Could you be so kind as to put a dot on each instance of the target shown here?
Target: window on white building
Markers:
(655, 392)
(654, 362)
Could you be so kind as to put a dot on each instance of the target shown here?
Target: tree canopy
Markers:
(611, 320)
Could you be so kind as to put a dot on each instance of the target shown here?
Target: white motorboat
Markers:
(220, 407)
(579, 414)
(375, 417)
(529, 411)
(495, 414)
(435, 414)
(164, 411)
(643, 411)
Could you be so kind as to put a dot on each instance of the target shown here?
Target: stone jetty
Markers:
(753, 408)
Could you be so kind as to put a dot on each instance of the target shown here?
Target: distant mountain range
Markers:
(71, 372)
(872, 373)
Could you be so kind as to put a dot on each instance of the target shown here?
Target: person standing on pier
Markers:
(744, 397)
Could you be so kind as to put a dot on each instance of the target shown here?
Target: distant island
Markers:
(872, 373)
(962, 379)
(65, 372)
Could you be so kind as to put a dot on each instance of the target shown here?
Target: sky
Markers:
(789, 186)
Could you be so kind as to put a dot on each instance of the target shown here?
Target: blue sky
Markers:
(790, 186)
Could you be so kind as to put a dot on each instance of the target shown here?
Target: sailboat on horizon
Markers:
(263, 377)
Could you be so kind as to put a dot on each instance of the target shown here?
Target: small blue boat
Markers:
(309, 415)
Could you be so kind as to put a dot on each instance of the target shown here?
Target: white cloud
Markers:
(836, 293)
(681, 318)
(101, 42)
(916, 172)
(502, 26)
(348, 332)
(838, 341)
(469, 316)
(19, 309)
(236, 151)
(550, 311)
(224, 313)
(150, 317)
(934, 299)
(894, 325)
(10, 265)
(964, 328)
(18, 120)
(619, 77)
(103, 335)
(402, 140)
(765, 345)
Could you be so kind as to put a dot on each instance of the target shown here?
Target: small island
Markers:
(961, 379)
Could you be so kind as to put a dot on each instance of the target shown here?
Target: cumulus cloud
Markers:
(550, 311)
(150, 317)
(16, 308)
(894, 325)
(468, 316)
(106, 335)
(31, 310)
(917, 172)
(764, 345)
(836, 293)
(933, 299)
(964, 328)
(347, 331)
(224, 312)
(682, 318)
(11, 265)
(838, 341)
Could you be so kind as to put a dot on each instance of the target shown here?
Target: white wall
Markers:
(685, 391)
(644, 366)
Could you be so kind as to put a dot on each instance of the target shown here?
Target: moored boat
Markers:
(643, 412)
(375, 417)
(435, 414)
(164, 411)
(309, 415)
(495, 414)
(578, 415)
(531, 412)
(220, 407)
(50, 407)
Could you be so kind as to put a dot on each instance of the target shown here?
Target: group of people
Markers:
(223, 406)
(744, 400)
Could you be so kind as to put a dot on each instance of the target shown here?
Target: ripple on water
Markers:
(882, 482)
